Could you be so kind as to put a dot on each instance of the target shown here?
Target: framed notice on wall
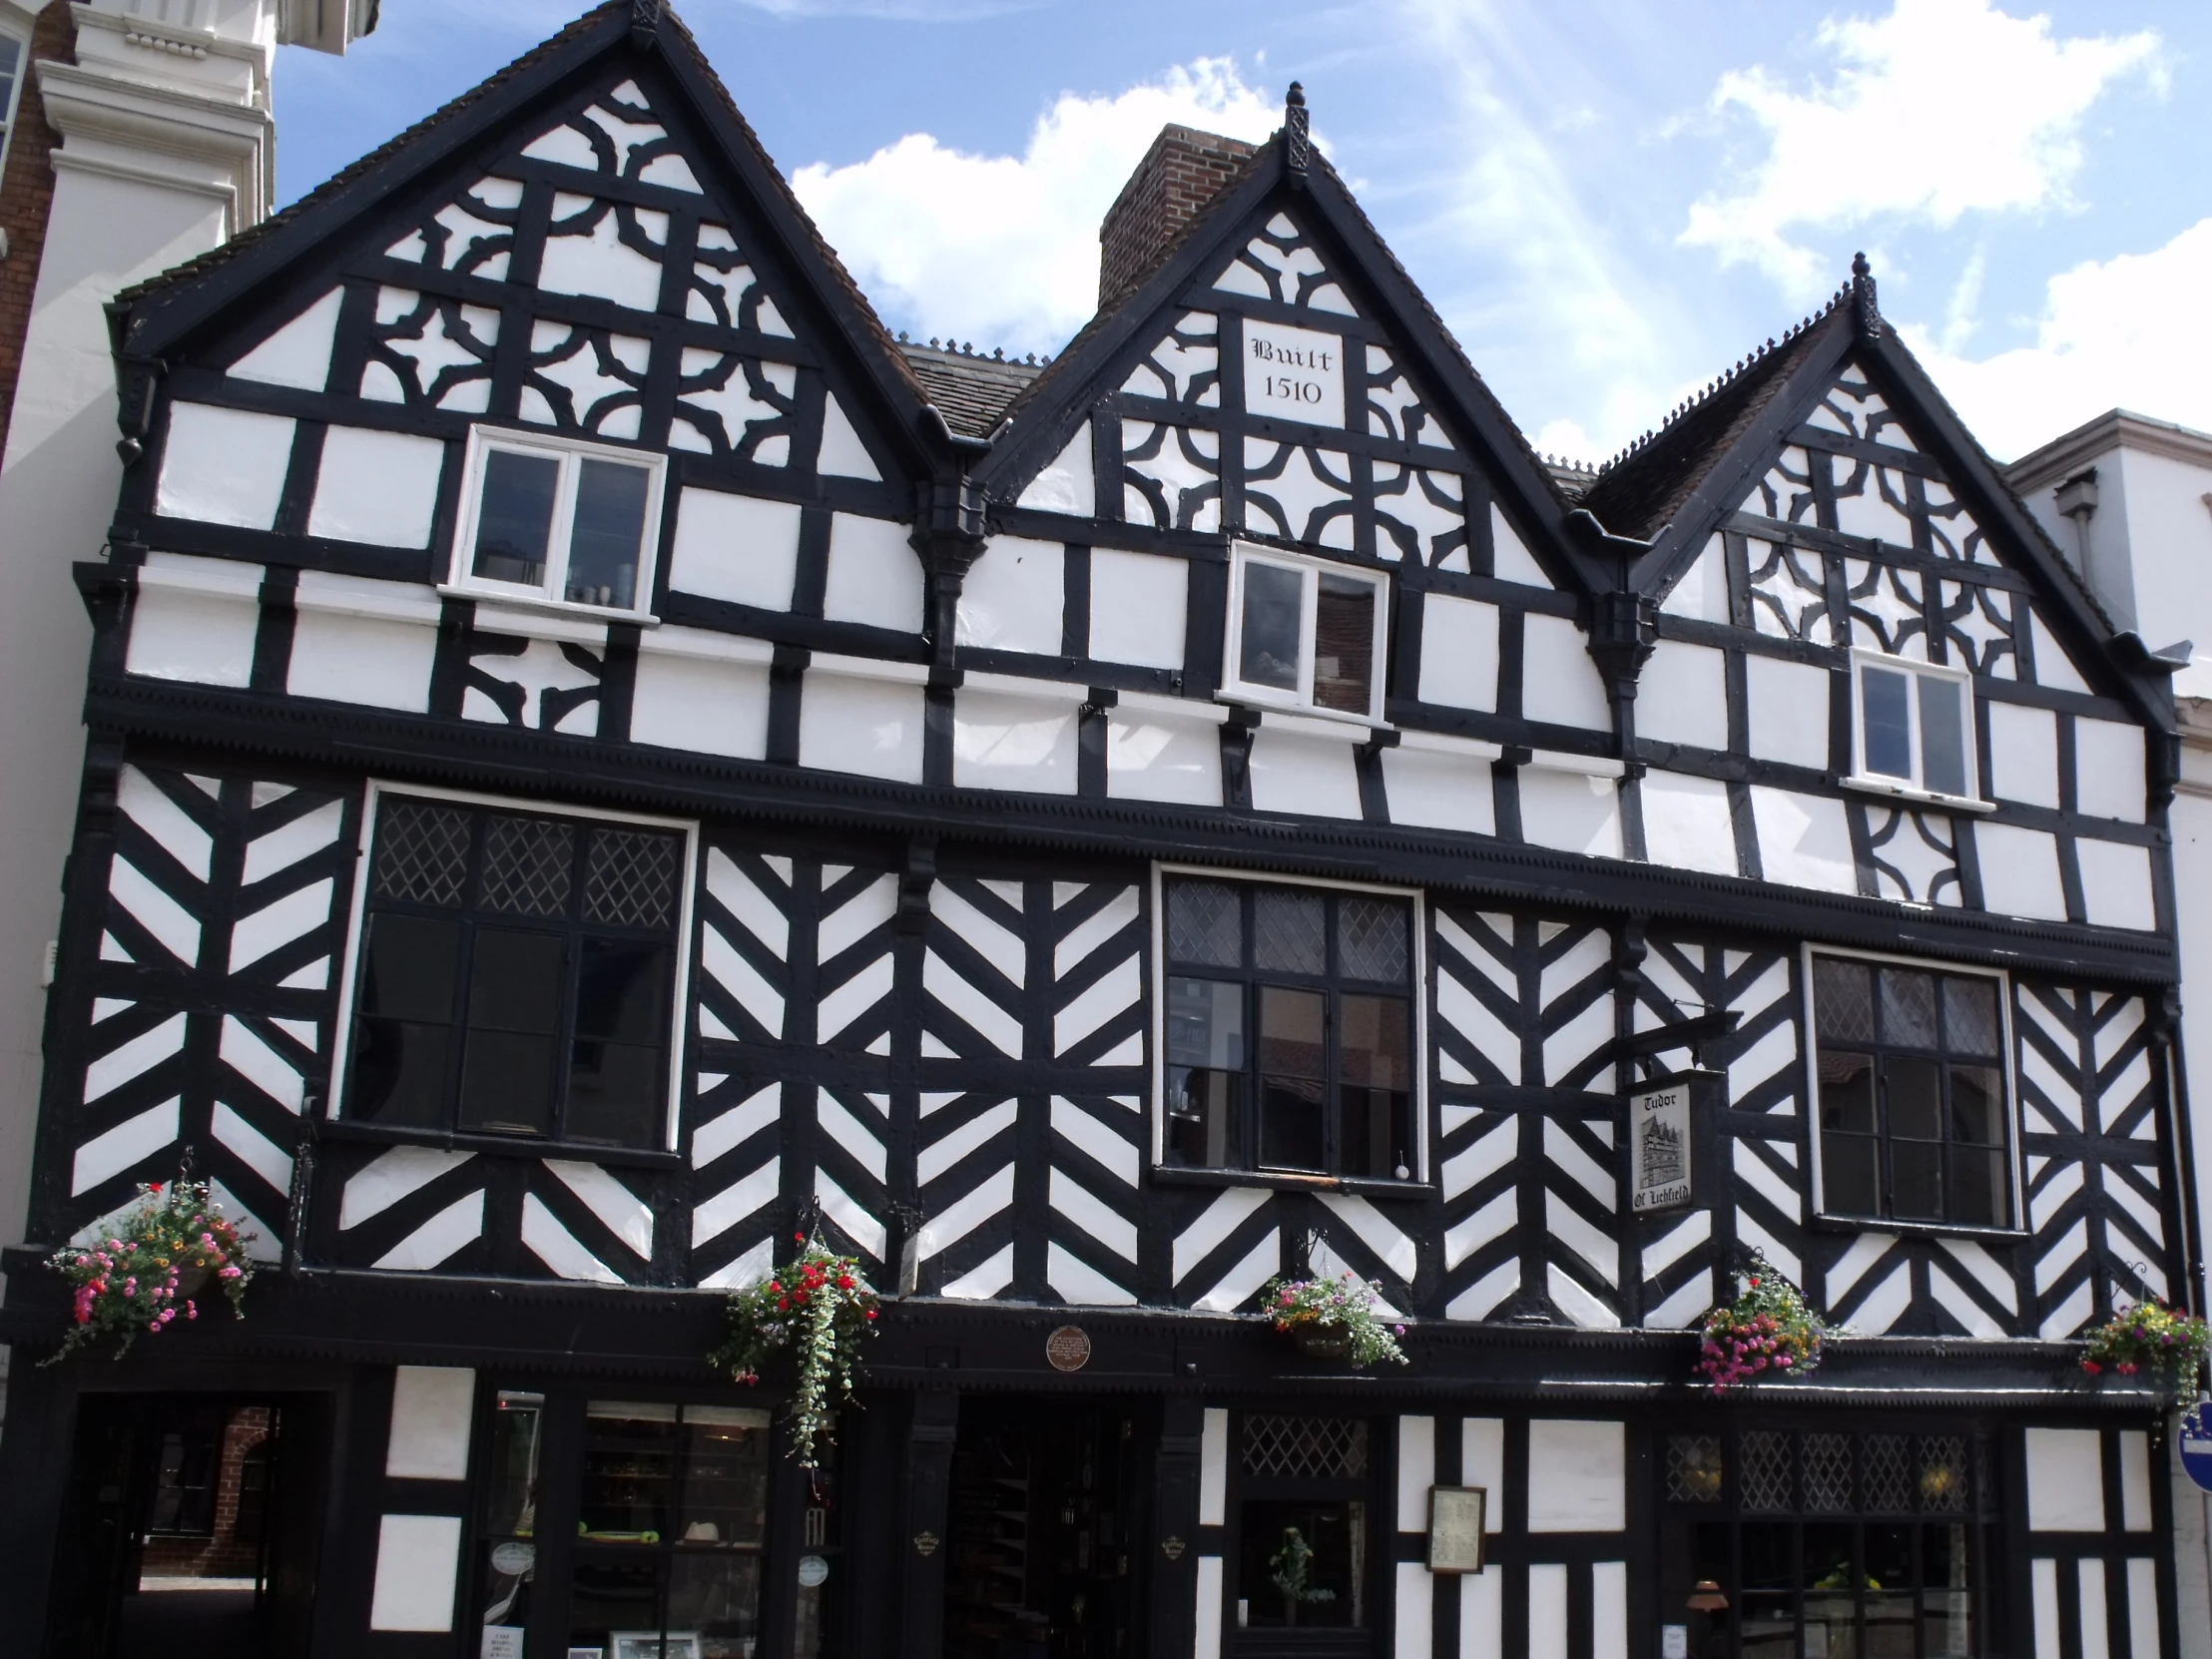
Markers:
(1455, 1522)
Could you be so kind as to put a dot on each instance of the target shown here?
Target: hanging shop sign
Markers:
(2196, 1444)
(1671, 1125)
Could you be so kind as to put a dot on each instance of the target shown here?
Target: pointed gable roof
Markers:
(149, 316)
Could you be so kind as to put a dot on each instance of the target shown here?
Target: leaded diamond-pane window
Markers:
(1306, 1446)
(1694, 1468)
(1290, 1030)
(516, 975)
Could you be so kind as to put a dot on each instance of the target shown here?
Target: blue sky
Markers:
(1609, 202)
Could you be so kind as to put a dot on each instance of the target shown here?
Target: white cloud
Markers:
(2121, 333)
(1003, 249)
(1941, 108)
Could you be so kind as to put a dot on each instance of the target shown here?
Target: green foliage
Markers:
(1767, 1330)
(151, 1266)
(1342, 1304)
(2149, 1337)
(817, 1307)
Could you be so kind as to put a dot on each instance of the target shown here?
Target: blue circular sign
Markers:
(2196, 1444)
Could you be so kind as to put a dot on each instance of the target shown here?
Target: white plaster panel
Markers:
(1413, 1634)
(1682, 694)
(1482, 1464)
(1157, 753)
(1206, 1639)
(1441, 791)
(1803, 840)
(1014, 597)
(418, 1561)
(195, 619)
(431, 1407)
(298, 353)
(736, 548)
(1559, 682)
(2108, 770)
(1702, 590)
(1417, 1471)
(1006, 742)
(1608, 1610)
(1548, 1611)
(1140, 603)
(1068, 484)
(2135, 1511)
(1458, 653)
(224, 467)
(1212, 1468)
(843, 454)
(356, 640)
(1570, 810)
(378, 487)
(2023, 753)
(2115, 884)
(1309, 777)
(697, 702)
(2065, 1480)
(1511, 560)
(2020, 872)
(1785, 711)
(1687, 822)
(1577, 1470)
(874, 576)
(873, 727)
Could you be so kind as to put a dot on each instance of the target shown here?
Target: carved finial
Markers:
(645, 21)
(1862, 293)
(1297, 132)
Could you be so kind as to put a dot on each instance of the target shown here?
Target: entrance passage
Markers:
(192, 1528)
(1041, 1555)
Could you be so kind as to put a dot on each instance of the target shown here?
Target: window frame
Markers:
(1832, 1219)
(13, 101)
(671, 1139)
(1880, 783)
(483, 441)
(1423, 1177)
(1235, 689)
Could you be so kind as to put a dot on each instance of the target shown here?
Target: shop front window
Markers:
(1829, 1544)
(1302, 1525)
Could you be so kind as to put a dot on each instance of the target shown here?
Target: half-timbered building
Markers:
(603, 760)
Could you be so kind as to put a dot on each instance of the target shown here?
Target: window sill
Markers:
(539, 603)
(1906, 791)
(1170, 1175)
(1303, 718)
(1825, 1223)
(497, 1146)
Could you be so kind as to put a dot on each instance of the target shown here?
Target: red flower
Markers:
(1754, 1282)
(872, 1312)
(844, 1281)
(2092, 1368)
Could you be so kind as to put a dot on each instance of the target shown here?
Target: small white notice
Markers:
(1296, 373)
(502, 1641)
(1674, 1641)
(1659, 1148)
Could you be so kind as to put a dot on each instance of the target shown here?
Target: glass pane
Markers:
(1970, 1016)
(1303, 1565)
(1980, 1186)
(515, 991)
(1370, 938)
(714, 1606)
(725, 1478)
(1344, 644)
(1915, 1181)
(1375, 1065)
(622, 990)
(1272, 633)
(511, 1506)
(1292, 1050)
(421, 852)
(609, 529)
(1205, 925)
(1826, 1464)
(1847, 1181)
(1978, 1105)
(1908, 1008)
(1842, 999)
(1943, 748)
(614, 1093)
(1913, 1093)
(514, 524)
(408, 968)
(630, 878)
(629, 1486)
(1946, 1598)
(1830, 1606)
(528, 866)
(1697, 1572)
(1887, 1582)
(1769, 1589)
(514, 981)
(1205, 1074)
(1887, 715)
(1289, 934)
(614, 1606)
(507, 1083)
(399, 1072)
(1694, 1469)
(1846, 1091)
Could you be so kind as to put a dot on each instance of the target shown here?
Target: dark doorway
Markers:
(1040, 1519)
(192, 1528)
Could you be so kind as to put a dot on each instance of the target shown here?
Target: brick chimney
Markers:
(1182, 171)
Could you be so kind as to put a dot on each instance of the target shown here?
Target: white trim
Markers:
(1417, 968)
(1882, 782)
(568, 452)
(1171, 708)
(1311, 569)
(1810, 1013)
(1589, 766)
(1443, 742)
(679, 1003)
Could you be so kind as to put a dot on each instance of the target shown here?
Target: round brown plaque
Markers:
(1069, 1347)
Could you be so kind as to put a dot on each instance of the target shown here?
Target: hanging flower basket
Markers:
(816, 1308)
(2149, 1337)
(1768, 1331)
(152, 1266)
(1333, 1319)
